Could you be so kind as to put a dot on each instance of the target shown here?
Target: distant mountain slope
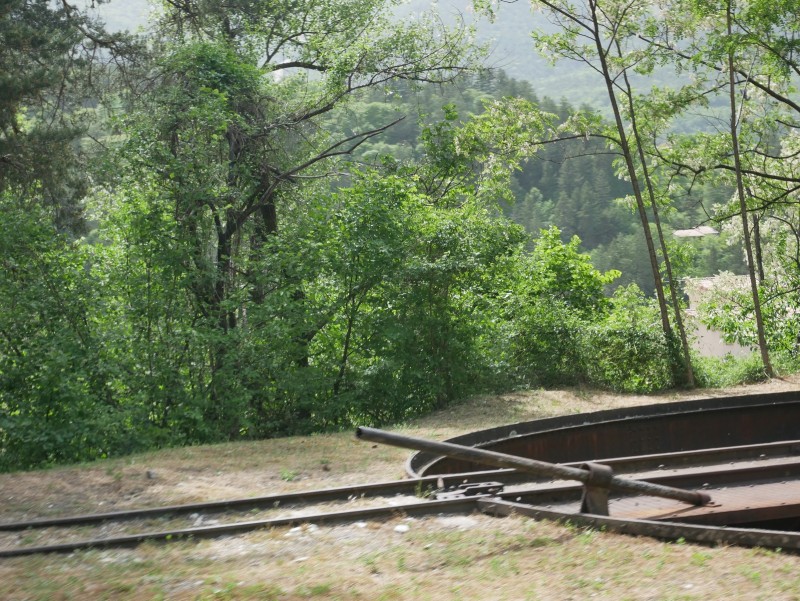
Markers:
(514, 52)
(508, 36)
(124, 14)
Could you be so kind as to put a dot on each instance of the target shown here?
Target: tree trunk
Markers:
(676, 306)
(757, 244)
(629, 163)
(737, 161)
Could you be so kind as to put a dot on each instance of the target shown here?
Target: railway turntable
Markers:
(721, 471)
(743, 452)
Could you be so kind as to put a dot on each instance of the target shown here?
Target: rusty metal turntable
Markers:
(720, 471)
(743, 452)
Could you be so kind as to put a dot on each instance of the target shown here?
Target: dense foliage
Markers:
(283, 217)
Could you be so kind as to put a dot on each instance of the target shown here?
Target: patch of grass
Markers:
(115, 472)
(503, 565)
(370, 560)
(235, 591)
(595, 584)
(314, 590)
(426, 492)
(288, 475)
(700, 558)
(392, 592)
(751, 573)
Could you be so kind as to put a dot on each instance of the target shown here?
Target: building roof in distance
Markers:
(695, 232)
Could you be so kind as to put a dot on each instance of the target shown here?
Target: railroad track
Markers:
(726, 476)
(373, 501)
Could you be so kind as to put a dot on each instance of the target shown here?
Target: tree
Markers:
(746, 48)
(737, 161)
(598, 33)
(52, 56)
(56, 384)
(57, 398)
(554, 295)
(233, 130)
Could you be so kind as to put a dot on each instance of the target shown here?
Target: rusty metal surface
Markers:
(644, 430)
(749, 502)
(746, 537)
(744, 451)
(594, 498)
(535, 466)
(732, 505)
(742, 492)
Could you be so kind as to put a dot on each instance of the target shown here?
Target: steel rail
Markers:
(499, 504)
(496, 506)
(534, 496)
(708, 535)
(677, 477)
(534, 466)
(421, 508)
(669, 460)
(415, 486)
(717, 455)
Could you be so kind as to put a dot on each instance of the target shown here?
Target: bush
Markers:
(544, 348)
(718, 372)
(627, 359)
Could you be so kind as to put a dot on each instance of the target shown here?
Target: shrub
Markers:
(627, 358)
(718, 372)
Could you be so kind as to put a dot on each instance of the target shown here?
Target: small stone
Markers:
(402, 528)
(460, 522)
(151, 475)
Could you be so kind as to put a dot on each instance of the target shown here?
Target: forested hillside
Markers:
(578, 195)
(253, 219)
(572, 184)
(507, 37)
